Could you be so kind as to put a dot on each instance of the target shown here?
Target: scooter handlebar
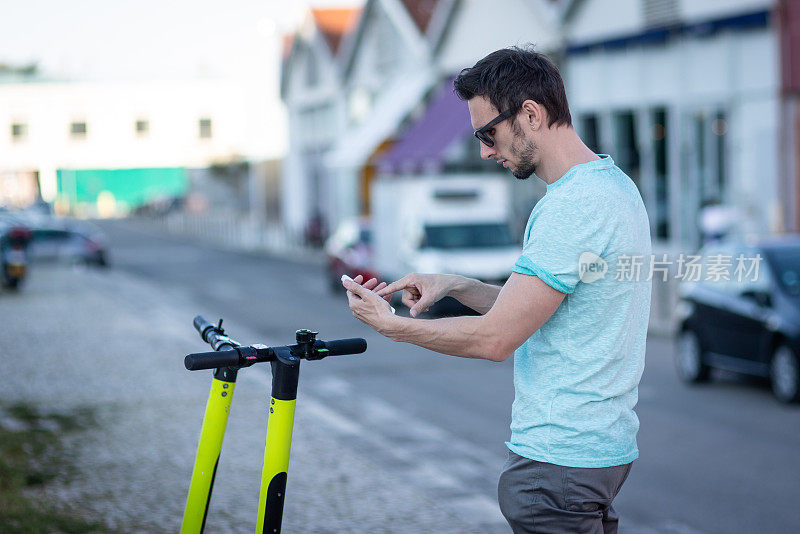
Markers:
(230, 353)
(201, 325)
(211, 360)
(339, 347)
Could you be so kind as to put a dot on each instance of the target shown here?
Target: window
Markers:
(205, 128)
(747, 276)
(455, 236)
(590, 132)
(720, 128)
(142, 127)
(710, 135)
(625, 144)
(359, 104)
(786, 264)
(719, 257)
(661, 162)
(19, 131)
(77, 130)
(700, 123)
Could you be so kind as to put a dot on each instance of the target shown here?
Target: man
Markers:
(576, 330)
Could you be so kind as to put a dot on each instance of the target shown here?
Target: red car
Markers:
(349, 251)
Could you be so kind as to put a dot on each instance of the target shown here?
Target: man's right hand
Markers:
(421, 291)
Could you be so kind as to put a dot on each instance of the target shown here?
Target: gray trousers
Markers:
(537, 497)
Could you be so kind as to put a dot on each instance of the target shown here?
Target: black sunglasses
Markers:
(481, 134)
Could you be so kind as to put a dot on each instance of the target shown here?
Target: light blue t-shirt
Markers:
(576, 379)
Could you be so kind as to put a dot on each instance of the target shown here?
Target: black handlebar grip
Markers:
(200, 324)
(353, 345)
(211, 360)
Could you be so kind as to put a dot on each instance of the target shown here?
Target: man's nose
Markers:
(486, 152)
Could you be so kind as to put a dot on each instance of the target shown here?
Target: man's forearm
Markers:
(467, 337)
(475, 294)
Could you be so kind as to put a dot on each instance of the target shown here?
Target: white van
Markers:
(455, 225)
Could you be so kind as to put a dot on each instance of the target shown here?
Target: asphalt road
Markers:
(718, 458)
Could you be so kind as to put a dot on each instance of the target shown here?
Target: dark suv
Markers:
(747, 324)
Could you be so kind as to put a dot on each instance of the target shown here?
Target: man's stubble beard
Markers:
(524, 150)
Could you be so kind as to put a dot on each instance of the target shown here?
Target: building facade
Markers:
(311, 83)
(102, 148)
(696, 101)
(392, 65)
(387, 71)
(686, 98)
(788, 14)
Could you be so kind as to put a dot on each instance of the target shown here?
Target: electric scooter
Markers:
(226, 360)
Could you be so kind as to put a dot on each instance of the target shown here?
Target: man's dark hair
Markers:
(510, 76)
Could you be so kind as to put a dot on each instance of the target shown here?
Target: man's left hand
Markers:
(366, 306)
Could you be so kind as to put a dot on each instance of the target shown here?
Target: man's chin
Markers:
(522, 174)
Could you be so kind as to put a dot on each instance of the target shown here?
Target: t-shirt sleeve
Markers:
(558, 236)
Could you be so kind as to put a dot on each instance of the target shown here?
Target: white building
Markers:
(390, 68)
(685, 96)
(311, 88)
(463, 31)
(76, 137)
(387, 70)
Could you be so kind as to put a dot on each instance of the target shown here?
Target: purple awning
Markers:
(423, 145)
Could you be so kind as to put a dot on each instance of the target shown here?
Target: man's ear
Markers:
(533, 114)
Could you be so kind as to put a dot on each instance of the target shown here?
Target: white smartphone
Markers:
(345, 277)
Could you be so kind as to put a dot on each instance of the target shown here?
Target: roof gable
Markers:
(317, 40)
(397, 14)
(421, 12)
(334, 24)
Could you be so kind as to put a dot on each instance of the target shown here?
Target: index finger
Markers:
(398, 285)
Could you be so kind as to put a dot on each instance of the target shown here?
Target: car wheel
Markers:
(689, 358)
(784, 373)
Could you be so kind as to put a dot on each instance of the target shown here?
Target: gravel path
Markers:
(76, 338)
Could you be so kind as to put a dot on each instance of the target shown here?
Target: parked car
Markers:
(749, 326)
(349, 251)
(69, 241)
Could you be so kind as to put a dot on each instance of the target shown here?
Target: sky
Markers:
(151, 39)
